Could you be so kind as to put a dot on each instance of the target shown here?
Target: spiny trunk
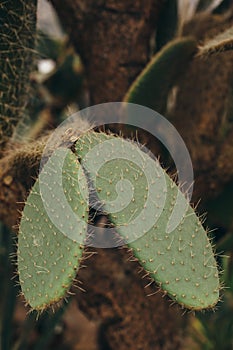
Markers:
(17, 34)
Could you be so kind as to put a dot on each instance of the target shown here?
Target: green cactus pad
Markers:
(151, 87)
(52, 230)
(168, 239)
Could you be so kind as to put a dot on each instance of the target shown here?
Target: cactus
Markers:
(152, 86)
(221, 42)
(49, 251)
(179, 259)
(18, 24)
(140, 199)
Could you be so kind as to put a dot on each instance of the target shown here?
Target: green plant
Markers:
(180, 260)
(152, 86)
(189, 80)
(48, 260)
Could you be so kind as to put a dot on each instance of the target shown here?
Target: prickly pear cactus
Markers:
(52, 231)
(153, 84)
(153, 217)
(147, 208)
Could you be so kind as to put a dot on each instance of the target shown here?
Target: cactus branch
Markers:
(112, 38)
(219, 43)
(143, 202)
(18, 171)
(17, 23)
